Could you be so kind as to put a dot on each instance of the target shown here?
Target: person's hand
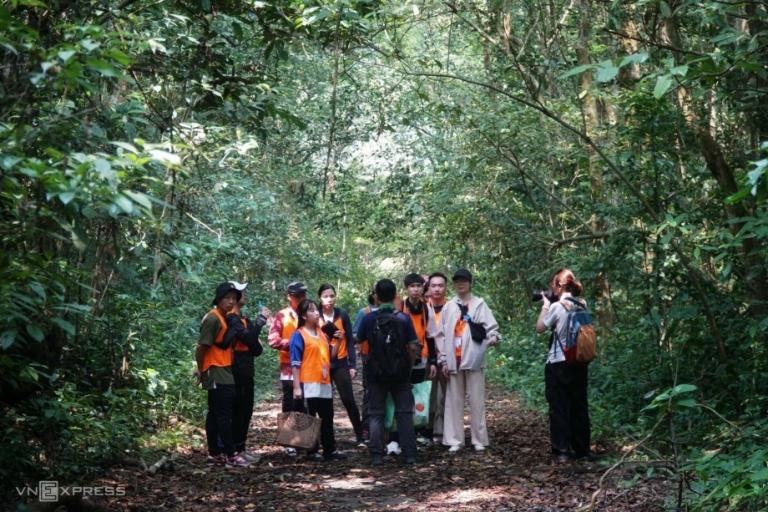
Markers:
(337, 335)
(432, 372)
(545, 302)
(494, 340)
(197, 376)
(266, 313)
(352, 373)
(297, 395)
(445, 371)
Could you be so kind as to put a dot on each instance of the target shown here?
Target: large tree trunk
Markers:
(591, 125)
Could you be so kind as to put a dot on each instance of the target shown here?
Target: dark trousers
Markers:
(323, 409)
(242, 368)
(366, 402)
(290, 403)
(218, 421)
(403, 398)
(343, 383)
(566, 392)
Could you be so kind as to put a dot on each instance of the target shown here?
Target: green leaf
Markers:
(35, 332)
(679, 70)
(139, 198)
(7, 339)
(607, 71)
(124, 203)
(577, 70)
(683, 388)
(65, 55)
(635, 58)
(38, 289)
(89, 45)
(666, 12)
(663, 83)
(64, 325)
(66, 197)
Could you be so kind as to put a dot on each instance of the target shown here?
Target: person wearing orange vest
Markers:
(435, 291)
(285, 323)
(214, 371)
(335, 323)
(311, 354)
(246, 348)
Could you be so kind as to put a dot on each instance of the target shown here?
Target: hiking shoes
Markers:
(250, 457)
(237, 461)
(291, 452)
(216, 459)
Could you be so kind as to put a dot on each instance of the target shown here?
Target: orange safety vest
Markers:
(419, 322)
(217, 356)
(364, 345)
(240, 346)
(290, 324)
(342, 354)
(458, 332)
(316, 360)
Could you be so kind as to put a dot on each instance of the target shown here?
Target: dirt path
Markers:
(513, 474)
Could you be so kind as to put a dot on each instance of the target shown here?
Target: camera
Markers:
(537, 295)
(329, 329)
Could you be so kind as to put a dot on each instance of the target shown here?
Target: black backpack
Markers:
(388, 359)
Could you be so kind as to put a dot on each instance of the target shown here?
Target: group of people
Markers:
(401, 342)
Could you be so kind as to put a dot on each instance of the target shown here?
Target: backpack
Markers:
(581, 339)
(388, 359)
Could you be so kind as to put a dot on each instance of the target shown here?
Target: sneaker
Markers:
(393, 448)
(377, 461)
(360, 441)
(250, 457)
(291, 452)
(314, 457)
(237, 461)
(335, 456)
(216, 459)
(479, 448)
(454, 448)
(560, 459)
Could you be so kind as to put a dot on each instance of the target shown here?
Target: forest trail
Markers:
(515, 473)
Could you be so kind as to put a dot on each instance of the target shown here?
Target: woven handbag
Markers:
(297, 430)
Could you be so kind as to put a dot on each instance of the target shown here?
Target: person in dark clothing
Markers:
(400, 329)
(214, 372)
(565, 384)
(246, 348)
(335, 322)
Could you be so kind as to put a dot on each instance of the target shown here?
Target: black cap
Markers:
(223, 289)
(296, 288)
(413, 279)
(462, 274)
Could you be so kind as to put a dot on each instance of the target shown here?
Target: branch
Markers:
(569, 127)
(653, 43)
(593, 500)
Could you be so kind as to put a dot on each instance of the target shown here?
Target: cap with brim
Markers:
(223, 289)
(296, 288)
(239, 286)
(462, 275)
